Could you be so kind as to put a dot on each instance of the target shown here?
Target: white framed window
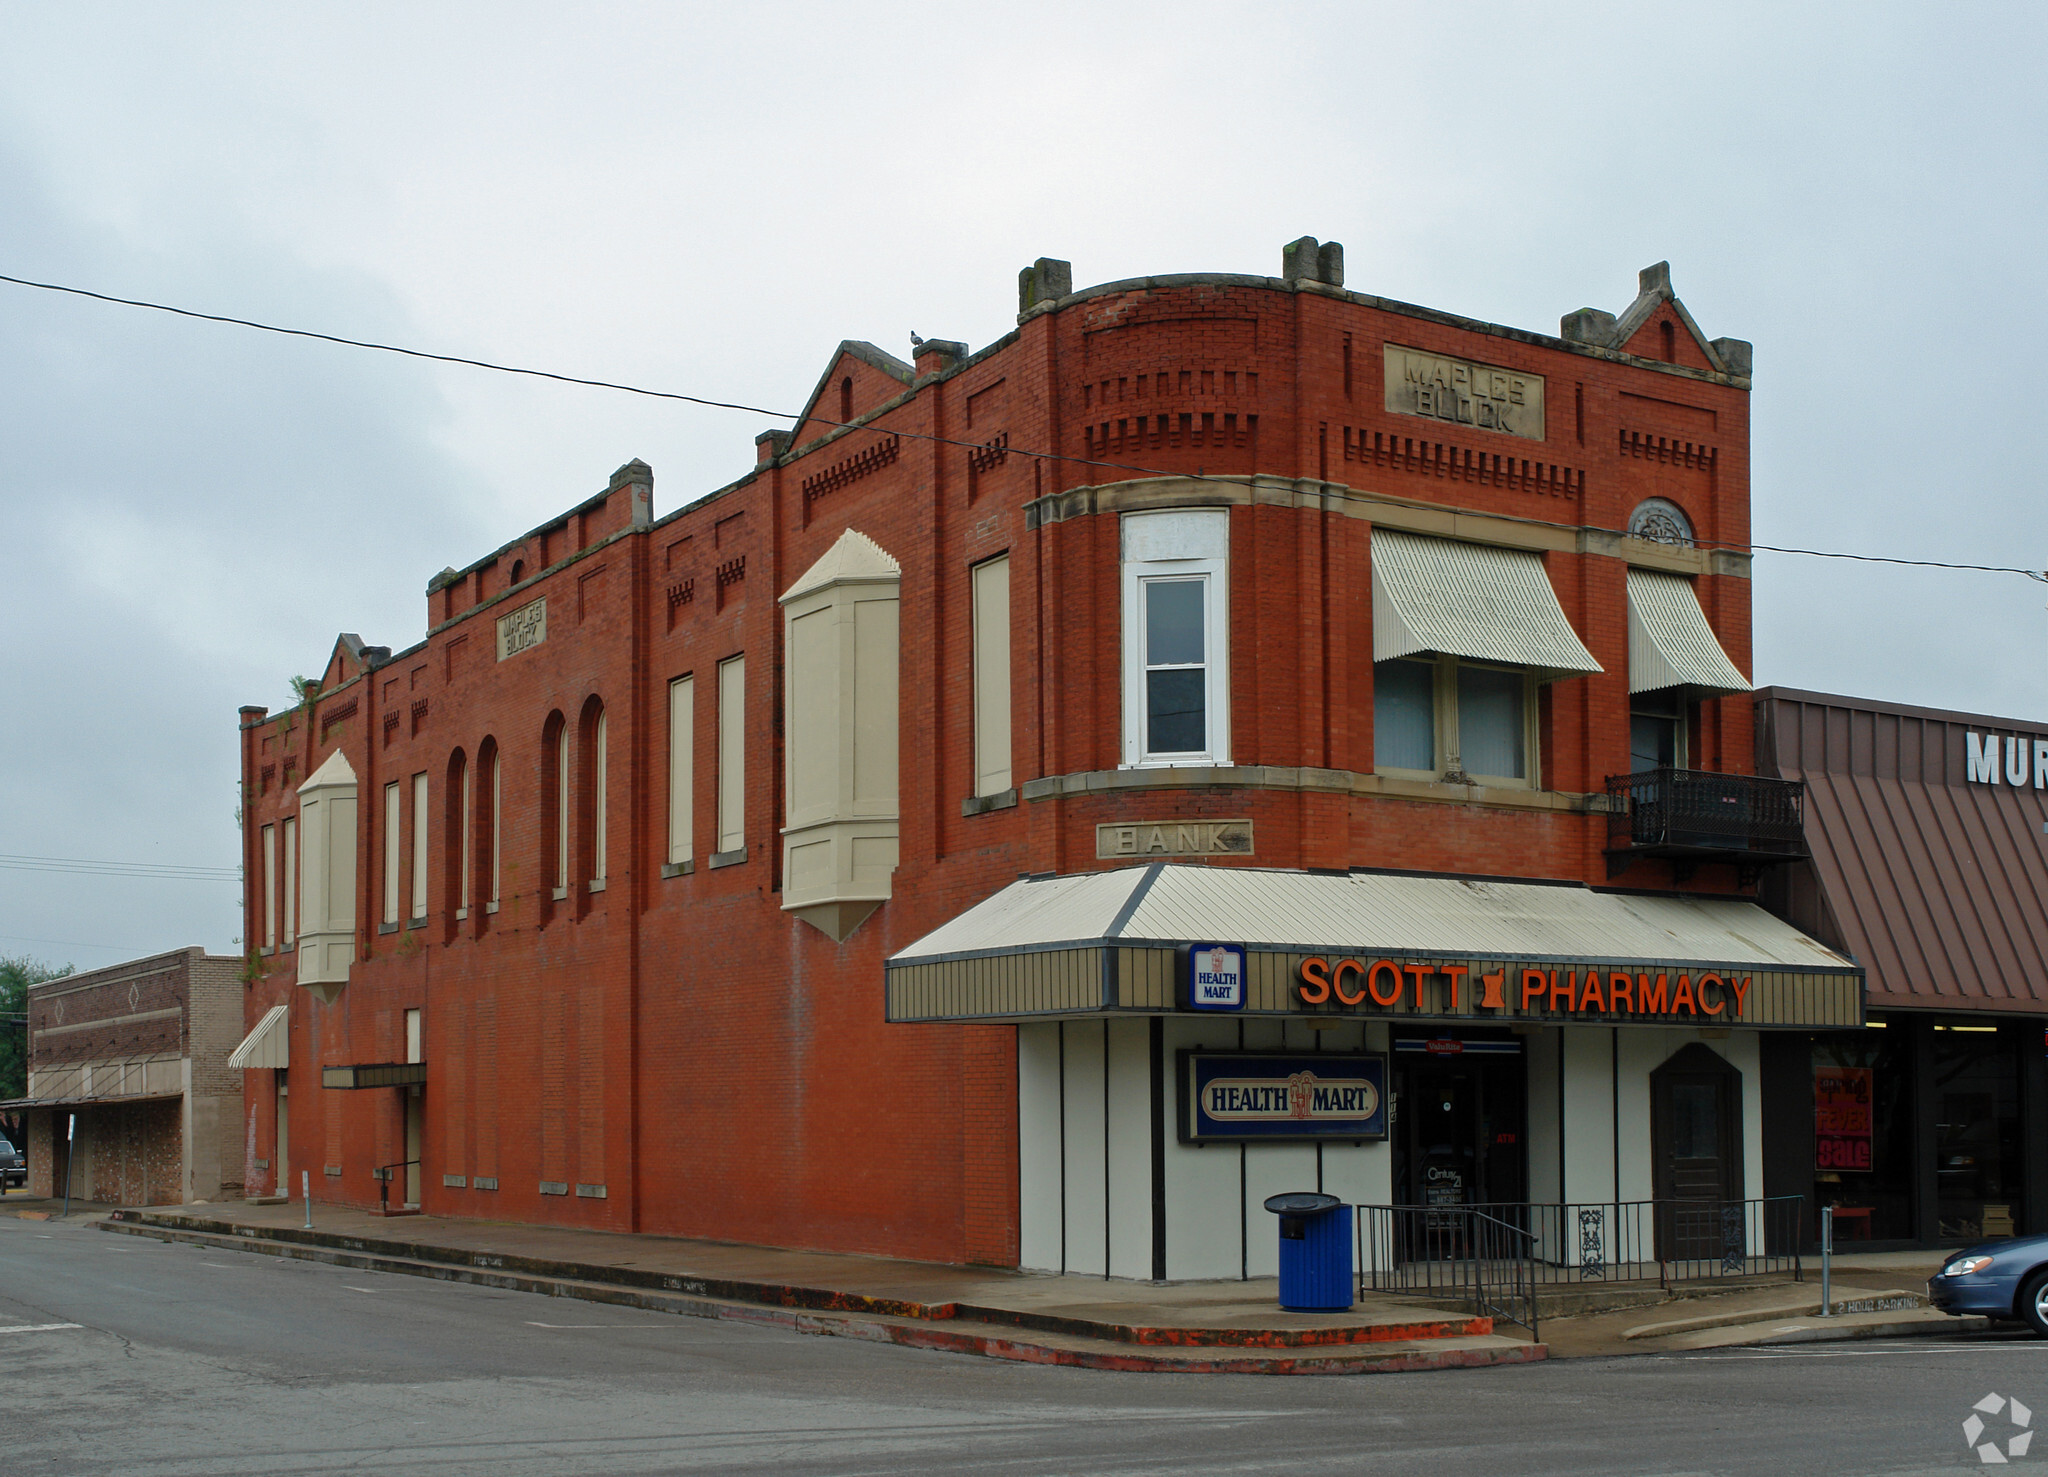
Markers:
(422, 830)
(682, 769)
(1446, 717)
(1176, 647)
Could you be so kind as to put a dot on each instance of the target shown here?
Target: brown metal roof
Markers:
(1936, 884)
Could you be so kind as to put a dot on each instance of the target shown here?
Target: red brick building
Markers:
(581, 907)
(131, 1098)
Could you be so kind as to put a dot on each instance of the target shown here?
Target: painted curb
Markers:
(790, 1295)
(943, 1340)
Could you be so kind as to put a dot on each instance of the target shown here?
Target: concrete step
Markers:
(1379, 1348)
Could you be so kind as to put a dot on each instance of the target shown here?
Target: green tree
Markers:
(16, 975)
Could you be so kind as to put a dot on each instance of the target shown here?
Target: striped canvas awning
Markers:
(1670, 643)
(1116, 942)
(1470, 600)
(269, 1045)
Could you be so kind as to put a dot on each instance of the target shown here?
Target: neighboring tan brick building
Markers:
(581, 907)
(137, 1054)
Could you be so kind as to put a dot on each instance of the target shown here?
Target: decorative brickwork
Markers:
(846, 472)
(331, 716)
(723, 1069)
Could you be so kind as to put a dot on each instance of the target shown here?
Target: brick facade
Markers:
(674, 1053)
(138, 1053)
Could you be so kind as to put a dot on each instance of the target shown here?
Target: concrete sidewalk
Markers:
(1234, 1327)
(1088, 1321)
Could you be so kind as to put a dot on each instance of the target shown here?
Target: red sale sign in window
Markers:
(1842, 1118)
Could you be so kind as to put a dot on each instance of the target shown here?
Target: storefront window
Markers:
(1976, 1133)
(1863, 1115)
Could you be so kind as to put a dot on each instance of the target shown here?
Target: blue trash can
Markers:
(1315, 1252)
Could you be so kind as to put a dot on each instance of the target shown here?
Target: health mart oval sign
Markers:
(1239, 1095)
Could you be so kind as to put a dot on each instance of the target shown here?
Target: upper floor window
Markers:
(1449, 716)
(1657, 730)
(1176, 637)
(1463, 634)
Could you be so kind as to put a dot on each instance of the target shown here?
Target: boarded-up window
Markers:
(682, 770)
(270, 887)
(992, 676)
(732, 753)
(394, 824)
(421, 824)
(464, 840)
(291, 881)
(597, 806)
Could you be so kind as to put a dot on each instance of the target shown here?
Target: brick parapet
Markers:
(722, 1069)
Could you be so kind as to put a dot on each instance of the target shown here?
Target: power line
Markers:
(76, 867)
(22, 938)
(1047, 456)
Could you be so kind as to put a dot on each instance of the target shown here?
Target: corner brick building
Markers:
(831, 862)
(131, 1099)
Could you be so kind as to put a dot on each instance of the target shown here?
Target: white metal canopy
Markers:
(1670, 643)
(269, 1044)
(1368, 911)
(1469, 600)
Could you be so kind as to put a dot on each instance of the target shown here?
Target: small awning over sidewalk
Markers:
(269, 1044)
(1370, 944)
(374, 1074)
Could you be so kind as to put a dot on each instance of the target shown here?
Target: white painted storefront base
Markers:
(1085, 1152)
(1085, 1139)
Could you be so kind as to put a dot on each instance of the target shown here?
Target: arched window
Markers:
(590, 793)
(846, 398)
(518, 570)
(1670, 341)
(457, 832)
(554, 803)
(483, 845)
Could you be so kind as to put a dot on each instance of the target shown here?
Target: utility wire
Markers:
(77, 867)
(1047, 456)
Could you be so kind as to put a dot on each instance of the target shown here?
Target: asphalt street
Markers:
(126, 1356)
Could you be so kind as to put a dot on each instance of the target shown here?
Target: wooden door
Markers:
(1696, 1145)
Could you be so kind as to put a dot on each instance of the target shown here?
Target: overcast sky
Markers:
(708, 198)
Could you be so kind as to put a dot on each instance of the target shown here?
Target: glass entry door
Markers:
(1458, 1130)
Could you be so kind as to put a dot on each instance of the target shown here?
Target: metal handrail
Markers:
(1459, 1251)
(383, 1175)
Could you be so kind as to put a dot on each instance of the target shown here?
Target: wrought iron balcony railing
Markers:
(1692, 816)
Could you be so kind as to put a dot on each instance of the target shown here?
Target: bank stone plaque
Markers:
(1461, 393)
(1173, 838)
(524, 629)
